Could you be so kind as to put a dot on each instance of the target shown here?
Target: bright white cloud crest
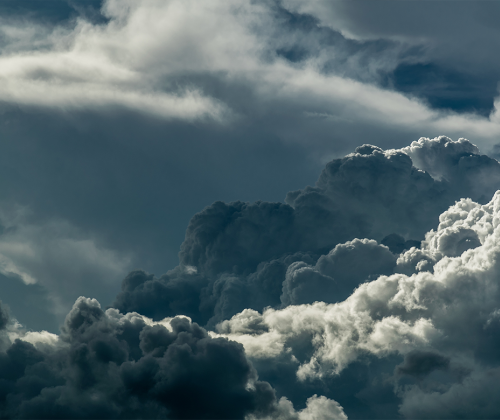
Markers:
(449, 305)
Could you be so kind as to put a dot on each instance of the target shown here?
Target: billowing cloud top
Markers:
(341, 303)
(238, 255)
(443, 318)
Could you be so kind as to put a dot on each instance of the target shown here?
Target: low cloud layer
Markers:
(370, 295)
(108, 365)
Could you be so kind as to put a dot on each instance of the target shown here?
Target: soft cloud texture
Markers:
(442, 319)
(58, 257)
(127, 119)
(167, 58)
(253, 255)
(109, 365)
(304, 318)
(364, 295)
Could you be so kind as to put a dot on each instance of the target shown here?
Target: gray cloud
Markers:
(294, 295)
(4, 316)
(193, 73)
(101, 120)
(442, 58)
(238, 255)
(108, 365)
(338, 273)
(443, 320)
(472, 398)
(96, 346)
(415, 24)
(118, 125)
(370, 193)
(421, 363)
(56, 258)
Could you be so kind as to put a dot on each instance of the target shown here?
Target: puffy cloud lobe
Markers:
(444, 321)
(438, 311)
(321, 408)
(338, 273)
(177, 292)
(304, 284)
(455, 241)
(439, 157)
(289, 280)
(239, 255)
(206, 299)
(370, 193)
(317, 408)
(109, 365)
(367, 195)
(469, 173)
(238, 236)
(356, 261)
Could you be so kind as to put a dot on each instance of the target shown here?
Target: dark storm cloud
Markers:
(424, 322)
(238, 236)
(177, 292)
(254, 255)
(445, 87)
(336, 274)
(119, 126)
(306, 299)
(107, 365)
(206, 299)
(124, 127)
(421, 363)
(370, 193)
(4, 316)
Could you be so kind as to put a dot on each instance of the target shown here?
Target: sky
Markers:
(279, 209)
